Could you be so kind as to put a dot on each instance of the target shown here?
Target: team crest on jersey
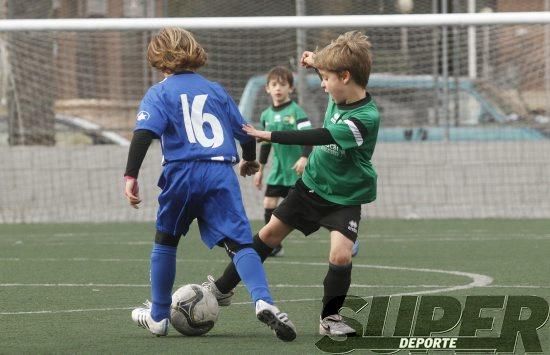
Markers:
(289, 119)
(143, 116)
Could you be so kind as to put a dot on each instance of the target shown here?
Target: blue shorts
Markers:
(208, 191)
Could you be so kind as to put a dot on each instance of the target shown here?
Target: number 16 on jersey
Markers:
(195, 119)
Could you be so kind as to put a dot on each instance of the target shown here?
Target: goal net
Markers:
(465, 110)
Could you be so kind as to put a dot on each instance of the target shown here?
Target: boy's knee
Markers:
(270, 237)
(340, 257)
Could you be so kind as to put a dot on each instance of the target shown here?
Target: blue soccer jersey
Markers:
(197, 122)
(195, 118)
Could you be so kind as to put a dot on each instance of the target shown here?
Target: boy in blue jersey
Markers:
(197, 122)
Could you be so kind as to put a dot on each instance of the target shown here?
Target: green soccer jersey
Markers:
(288, 116)
(342, 173)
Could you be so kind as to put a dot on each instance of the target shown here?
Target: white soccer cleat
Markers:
(142, 317)
(224, 299)
(334, 326)
(276, 320)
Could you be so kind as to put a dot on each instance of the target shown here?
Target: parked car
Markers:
(406, 104)
(71, 130)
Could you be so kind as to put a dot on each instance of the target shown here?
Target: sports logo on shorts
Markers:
(352, 226)
(143, 115)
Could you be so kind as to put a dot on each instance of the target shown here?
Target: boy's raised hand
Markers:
(307, 59)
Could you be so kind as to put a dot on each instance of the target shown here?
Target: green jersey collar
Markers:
(355, 104)
(281, 107)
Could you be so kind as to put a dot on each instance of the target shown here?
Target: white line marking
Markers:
(371, 238)
(70, 285)
(462, 239)
(147, 285)
(67, 311)
(271, 286)
(478, 280)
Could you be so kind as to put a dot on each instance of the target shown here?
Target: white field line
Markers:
(478, 280)
(384, 239)
(462, 239)
(6, 285)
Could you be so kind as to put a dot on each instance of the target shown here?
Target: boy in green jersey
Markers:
(338, 178)
(288, 161)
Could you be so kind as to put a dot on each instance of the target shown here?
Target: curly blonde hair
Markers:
(174, 49)
(351, 52)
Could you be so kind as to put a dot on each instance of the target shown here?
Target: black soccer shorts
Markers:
(306, 211)
(277, 191)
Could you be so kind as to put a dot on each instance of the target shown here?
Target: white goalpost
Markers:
(329, 21)
(451, 144)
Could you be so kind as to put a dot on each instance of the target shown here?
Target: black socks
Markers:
(230, 278)
(336, 284)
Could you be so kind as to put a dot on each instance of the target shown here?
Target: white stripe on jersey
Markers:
(303, 124)
(218, 158)
(356, 134)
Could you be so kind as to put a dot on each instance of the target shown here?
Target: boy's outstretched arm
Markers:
(316, 136)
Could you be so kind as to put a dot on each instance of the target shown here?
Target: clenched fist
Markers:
(248, 168)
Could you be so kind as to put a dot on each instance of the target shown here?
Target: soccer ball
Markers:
(194, 310)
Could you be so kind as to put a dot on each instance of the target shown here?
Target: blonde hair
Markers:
(351, 52)
(175, 49)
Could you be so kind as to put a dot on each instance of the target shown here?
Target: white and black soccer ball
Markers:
(194, 310)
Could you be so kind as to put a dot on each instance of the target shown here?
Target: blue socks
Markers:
(250, 269)
(163, 273)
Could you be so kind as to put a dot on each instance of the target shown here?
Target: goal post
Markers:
(451, 145)
(277, 22)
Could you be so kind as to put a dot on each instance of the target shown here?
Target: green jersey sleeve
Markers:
(351, 132)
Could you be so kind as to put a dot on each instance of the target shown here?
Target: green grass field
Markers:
(69, 288)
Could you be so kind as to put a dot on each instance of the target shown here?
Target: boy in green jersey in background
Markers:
(288, 161)
(339, 176)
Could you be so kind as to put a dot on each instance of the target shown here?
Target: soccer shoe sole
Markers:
(283, 331)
